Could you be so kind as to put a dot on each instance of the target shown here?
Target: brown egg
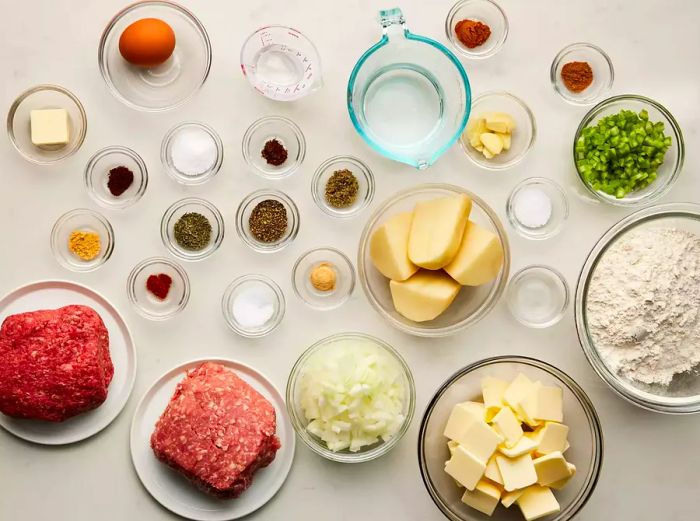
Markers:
(147, 42)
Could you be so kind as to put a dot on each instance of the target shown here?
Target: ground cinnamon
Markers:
(577, 76)
(472, 33)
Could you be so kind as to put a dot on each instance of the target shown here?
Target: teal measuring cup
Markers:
(408, 96)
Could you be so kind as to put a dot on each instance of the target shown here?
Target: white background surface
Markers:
(651, 461)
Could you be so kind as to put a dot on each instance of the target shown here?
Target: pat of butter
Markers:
(545, 403)
(49, 127)
(517, 472)
(452, 445)
(481, 440)
(465, 468)
(492, 471)
(508, 498)
(536, 502)
(508, 426)
(517, 393)
(483, 498)
(462, 416)
(492, 390)
(563, 482)
(551, 468)
(524, 446)
(552, 438)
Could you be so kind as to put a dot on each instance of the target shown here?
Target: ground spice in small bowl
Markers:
(274, 152)
(577, 76)
(84, 245)
(159, 285)
(119, 180)
(268, 221)
(323, 277)
(342, 188)
(472, 33)
(192, 231)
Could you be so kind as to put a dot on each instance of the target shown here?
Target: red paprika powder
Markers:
(472, 33)
(159, 285)
(577, 76)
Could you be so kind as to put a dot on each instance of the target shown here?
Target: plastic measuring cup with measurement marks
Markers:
(281, 63)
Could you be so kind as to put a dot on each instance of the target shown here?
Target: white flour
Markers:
(644, 304)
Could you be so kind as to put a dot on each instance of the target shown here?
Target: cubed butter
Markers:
(518, 391)
(551, 468)
(527, 407)
(537, 501)
(483, 498)
(545, 403)
(507, 425)
(525, 445)
(479, 257)
(563, 482)
(388, 248)
(492, 471)
(437, 229)
(552, 437)
(492, 390)
(465, 468)
(49, 127)
(424, 296)
(462, 416)
(480, 440)
(452, 445)
(517, 472)
(508, 498)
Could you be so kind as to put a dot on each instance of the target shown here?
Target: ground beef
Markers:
(54, 364)
(217, 431)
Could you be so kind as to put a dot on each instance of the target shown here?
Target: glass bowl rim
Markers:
(168, 215)
(565, 94)
(565, 286)
(583, 399)
(264, 247)
(104, 257)
(348, 262)
(451, 37)
(316, 445)
(197, 179)
(131, 280)
(105, 151)
(662, 190)
(296, 130)
(366, 173)
(228, 293)
(643, 399)
(520, 230)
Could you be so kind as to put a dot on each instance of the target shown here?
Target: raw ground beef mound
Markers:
(54, 364)
(217, 430)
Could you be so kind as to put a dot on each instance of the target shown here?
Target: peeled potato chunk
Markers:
(437, 229)
(479, 258)
(424, 296)
(388, 247)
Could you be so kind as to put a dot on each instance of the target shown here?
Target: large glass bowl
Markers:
(673, 160)
(682, 396)
(472, 303)
(585, 437)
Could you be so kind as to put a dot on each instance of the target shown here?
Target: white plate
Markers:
(174, 491)
(52, 294)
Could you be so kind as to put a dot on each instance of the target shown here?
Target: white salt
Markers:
(193, 151)
(254, 305)
(532, 207)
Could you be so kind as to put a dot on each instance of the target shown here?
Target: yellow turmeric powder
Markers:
(85, 245)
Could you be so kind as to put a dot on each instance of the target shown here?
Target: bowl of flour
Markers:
(638, 308)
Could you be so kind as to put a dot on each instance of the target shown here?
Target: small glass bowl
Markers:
(166, 154)
(523, 136)
(45, 97)
(365, 179)
(344, 272)
(283, 130)
(148, 305)
(560, 208)
(246, 208)
(165, 86)
(81, 219)
(603, 72)
(177, 210)
(299, 420)
(485, 11)
(97, 176)
(585, 437)
(670, 169)
(537, 296)
(234, 289)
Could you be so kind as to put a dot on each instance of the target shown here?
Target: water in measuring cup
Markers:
(279, 65)
(403, 105)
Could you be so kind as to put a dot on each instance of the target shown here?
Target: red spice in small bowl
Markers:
(119, 180)
(159, 285)
(274, 152)
(472, 33)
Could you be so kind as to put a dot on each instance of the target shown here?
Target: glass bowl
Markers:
(559, 213)
(364, 177)
(682, 396)
(248, 282)
(177, 210)
(585, 437)
(299, 420)
(148, 305)
(97, 176)
(344, 278)
(166, 154)
(485, 11)
(283, 130)
(523, 136)
(669, 170)
(45, 97)
(538, 296)
(243, 216)
(472, 303)
(603, 72)
(81, 219)
(165, 86)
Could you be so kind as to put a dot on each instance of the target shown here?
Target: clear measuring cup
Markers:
(281, 63)
(408, 96)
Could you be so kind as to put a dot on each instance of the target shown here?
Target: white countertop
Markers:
(650, 468)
